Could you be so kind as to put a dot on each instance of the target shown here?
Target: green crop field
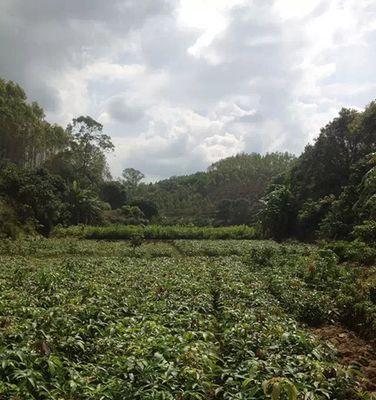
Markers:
(177, 320)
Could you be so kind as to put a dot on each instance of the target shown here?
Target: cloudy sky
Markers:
(179, 84)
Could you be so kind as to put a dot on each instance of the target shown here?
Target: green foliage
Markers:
(263, 347)
(84, 205)
(54, 176)
(131, 178)
(36, 196)
(276, 388)
(156, 232)
(330, 188)
(86, 132)
(26, 138)
(367, 199)
(87, 335)
(9, 225)
(84, 158)
(82, 320)
(86, 154)
(138, 212)
(277, 212)
(241, 179)
(338, 222)
(49, 248)
(311, 214)
(315, 288)
(325, 167)
(246, 175)
(355, 251)
(114, 217)
(148, 208)
(133, 215)
(228, 247)
(180, 200)
(41, 165)
(233, 212)
(366, 231)
(113, 193)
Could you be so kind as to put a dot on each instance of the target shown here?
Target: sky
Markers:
(180, 84)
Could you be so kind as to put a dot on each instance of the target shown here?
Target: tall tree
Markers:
(84, 160)
(26, 138)
(325, 167)
(327, 179)
(132, 177)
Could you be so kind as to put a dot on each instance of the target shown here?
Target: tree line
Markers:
(52, 175)
(228, 193)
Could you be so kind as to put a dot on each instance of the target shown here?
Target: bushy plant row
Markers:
(106, 329)
(317, 289)
(116, 232)
(355, 251)
(265, 351)
(260, 249)
(43, 247)
(137, 328)
(177, 327)
(311, 283)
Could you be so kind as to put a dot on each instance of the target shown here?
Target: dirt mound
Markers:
(353, 351)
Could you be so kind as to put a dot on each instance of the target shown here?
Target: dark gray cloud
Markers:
(124, 110)
(182, 83)
(44, 38)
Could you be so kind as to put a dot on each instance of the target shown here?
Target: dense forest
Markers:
(52, 176)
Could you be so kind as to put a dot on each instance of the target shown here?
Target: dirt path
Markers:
(353, 351)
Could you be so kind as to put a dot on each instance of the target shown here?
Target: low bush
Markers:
(366, 231)
(355, 251)
(10, 227)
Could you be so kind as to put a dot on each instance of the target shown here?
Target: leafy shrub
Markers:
(355, 251)
(366, 231)
(310, 215)
(278, 212)
(9, 225)
(148, 208)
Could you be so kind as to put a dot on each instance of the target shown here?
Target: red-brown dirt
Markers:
(353, 351)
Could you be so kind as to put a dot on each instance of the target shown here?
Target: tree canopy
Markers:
(332, 182)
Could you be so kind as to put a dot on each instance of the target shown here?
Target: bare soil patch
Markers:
(353, 351)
